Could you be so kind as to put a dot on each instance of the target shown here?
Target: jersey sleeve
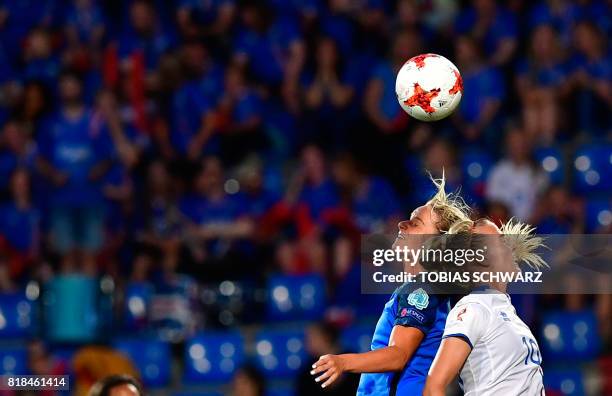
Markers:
(467, 321)
(416, 309)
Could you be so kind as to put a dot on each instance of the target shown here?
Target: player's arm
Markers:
(403, 342)
(451, 356)
(465, 325)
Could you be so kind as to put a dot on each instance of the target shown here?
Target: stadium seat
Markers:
(357, 338)
(136, 305)
(153, 359)
(567, 382)
(598, 214)
(13, 360)
(296, 297)
(17, 314)
(569, 336)
(592, 169)
(280, 353)
(194, 393)
(213, 357)
(550, 160)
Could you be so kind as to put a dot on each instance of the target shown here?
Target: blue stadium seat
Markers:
(564, 381)
(280, 353)
(17, 314)
(136, 305)
(550, 160)
(593, 169)
(296, 297)
(357, 338)
(13, 360)
(569, 336)
(598, 214)
(213, 357)
(153, 359)
(194, 393)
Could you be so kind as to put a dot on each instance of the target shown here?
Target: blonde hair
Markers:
(449, 207)
(523, 242)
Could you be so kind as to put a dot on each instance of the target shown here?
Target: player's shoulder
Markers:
(420, 295)
(480, 301)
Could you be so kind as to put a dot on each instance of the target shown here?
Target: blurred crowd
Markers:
(188, 143)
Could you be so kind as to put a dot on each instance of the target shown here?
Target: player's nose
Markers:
(402, 225)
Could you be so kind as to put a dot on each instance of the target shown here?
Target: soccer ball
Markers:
(429, 87)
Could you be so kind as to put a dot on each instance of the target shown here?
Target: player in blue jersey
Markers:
(410, 328)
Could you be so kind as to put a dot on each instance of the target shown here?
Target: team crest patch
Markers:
(419, 298)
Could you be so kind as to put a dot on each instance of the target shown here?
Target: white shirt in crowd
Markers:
(517, 186)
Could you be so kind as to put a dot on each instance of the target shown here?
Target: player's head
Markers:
(459, 239)
(523, 243)
(435, 217)
(499, 255)
(116, 385)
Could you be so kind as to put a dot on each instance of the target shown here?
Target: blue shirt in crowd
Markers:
(19, 226)
(74, 147)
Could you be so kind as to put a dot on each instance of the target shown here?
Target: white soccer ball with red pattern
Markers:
(429, 87)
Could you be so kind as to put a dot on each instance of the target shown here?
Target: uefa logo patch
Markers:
(419, 298)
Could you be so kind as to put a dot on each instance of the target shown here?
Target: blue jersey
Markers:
(411, 305)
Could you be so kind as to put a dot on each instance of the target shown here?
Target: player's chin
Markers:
(399, 243)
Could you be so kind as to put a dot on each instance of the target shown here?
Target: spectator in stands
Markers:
(17, 149)
(42, 362)
(380, 100)
(33, 106)
(477, 117)
(328, 92)
(205, 18)
(321, 339)
(515, 180)
(74, 156)
(160, 223)
(248, 381)
(541, 83)
(144, 35)
(264, 202)
(85, 24)
(312, 191)
(558, 212)
(271, 47)
(382, 140)
(493, 26)
(193, 103)
(238, 118)
(19, 225)
(369, 201)
(40, 61)
(221, 223)
(592, 79)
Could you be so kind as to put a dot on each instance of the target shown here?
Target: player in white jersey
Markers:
(484, 340)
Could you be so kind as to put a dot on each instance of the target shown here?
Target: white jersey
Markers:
(505, 358)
